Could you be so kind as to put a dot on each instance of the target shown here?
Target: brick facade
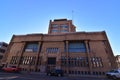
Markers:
(74, 52)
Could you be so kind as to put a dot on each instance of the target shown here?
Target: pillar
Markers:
(21, 54)
(38, 56)
(88, 55)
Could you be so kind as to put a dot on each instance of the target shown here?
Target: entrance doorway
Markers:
(51, 63)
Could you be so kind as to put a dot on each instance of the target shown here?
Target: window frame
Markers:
(31, 47)
(73, 48)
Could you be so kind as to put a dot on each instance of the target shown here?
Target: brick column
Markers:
(88, 55)
(38, 56)
(58, 60)
(21, 54)
(43, 65)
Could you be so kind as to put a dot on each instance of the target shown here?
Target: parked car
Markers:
(55, 72)
(114, 74)
(11, 69)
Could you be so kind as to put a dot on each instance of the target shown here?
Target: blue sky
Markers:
(32, 16)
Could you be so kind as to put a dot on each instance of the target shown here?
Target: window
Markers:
(96, 62)
(64, 30)
(63, 61)
(83, 61)
(64, 26)
(54, 26)
(76, 47)
(31, 47)
(28, 60)
(75, 61)
(14, 60)
(52, 50)
(54, 30)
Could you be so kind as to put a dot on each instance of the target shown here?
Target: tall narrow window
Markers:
(63, 61)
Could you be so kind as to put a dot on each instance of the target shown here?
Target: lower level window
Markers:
(96, 62)
(74, 61)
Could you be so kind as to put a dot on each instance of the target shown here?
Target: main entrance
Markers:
(51, 63)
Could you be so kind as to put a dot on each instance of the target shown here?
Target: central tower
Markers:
(61, 26)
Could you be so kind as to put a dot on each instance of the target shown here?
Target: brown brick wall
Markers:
(96, 42)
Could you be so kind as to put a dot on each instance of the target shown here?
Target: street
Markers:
(34, 76)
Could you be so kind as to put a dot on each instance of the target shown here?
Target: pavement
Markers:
(70, 75)
(42, 76)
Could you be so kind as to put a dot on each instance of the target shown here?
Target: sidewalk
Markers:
(33, 73)
(70, 75)
(95, 76)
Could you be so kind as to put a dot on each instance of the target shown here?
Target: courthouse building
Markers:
(64, 48)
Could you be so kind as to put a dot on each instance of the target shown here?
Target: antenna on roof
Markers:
(72, 15)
